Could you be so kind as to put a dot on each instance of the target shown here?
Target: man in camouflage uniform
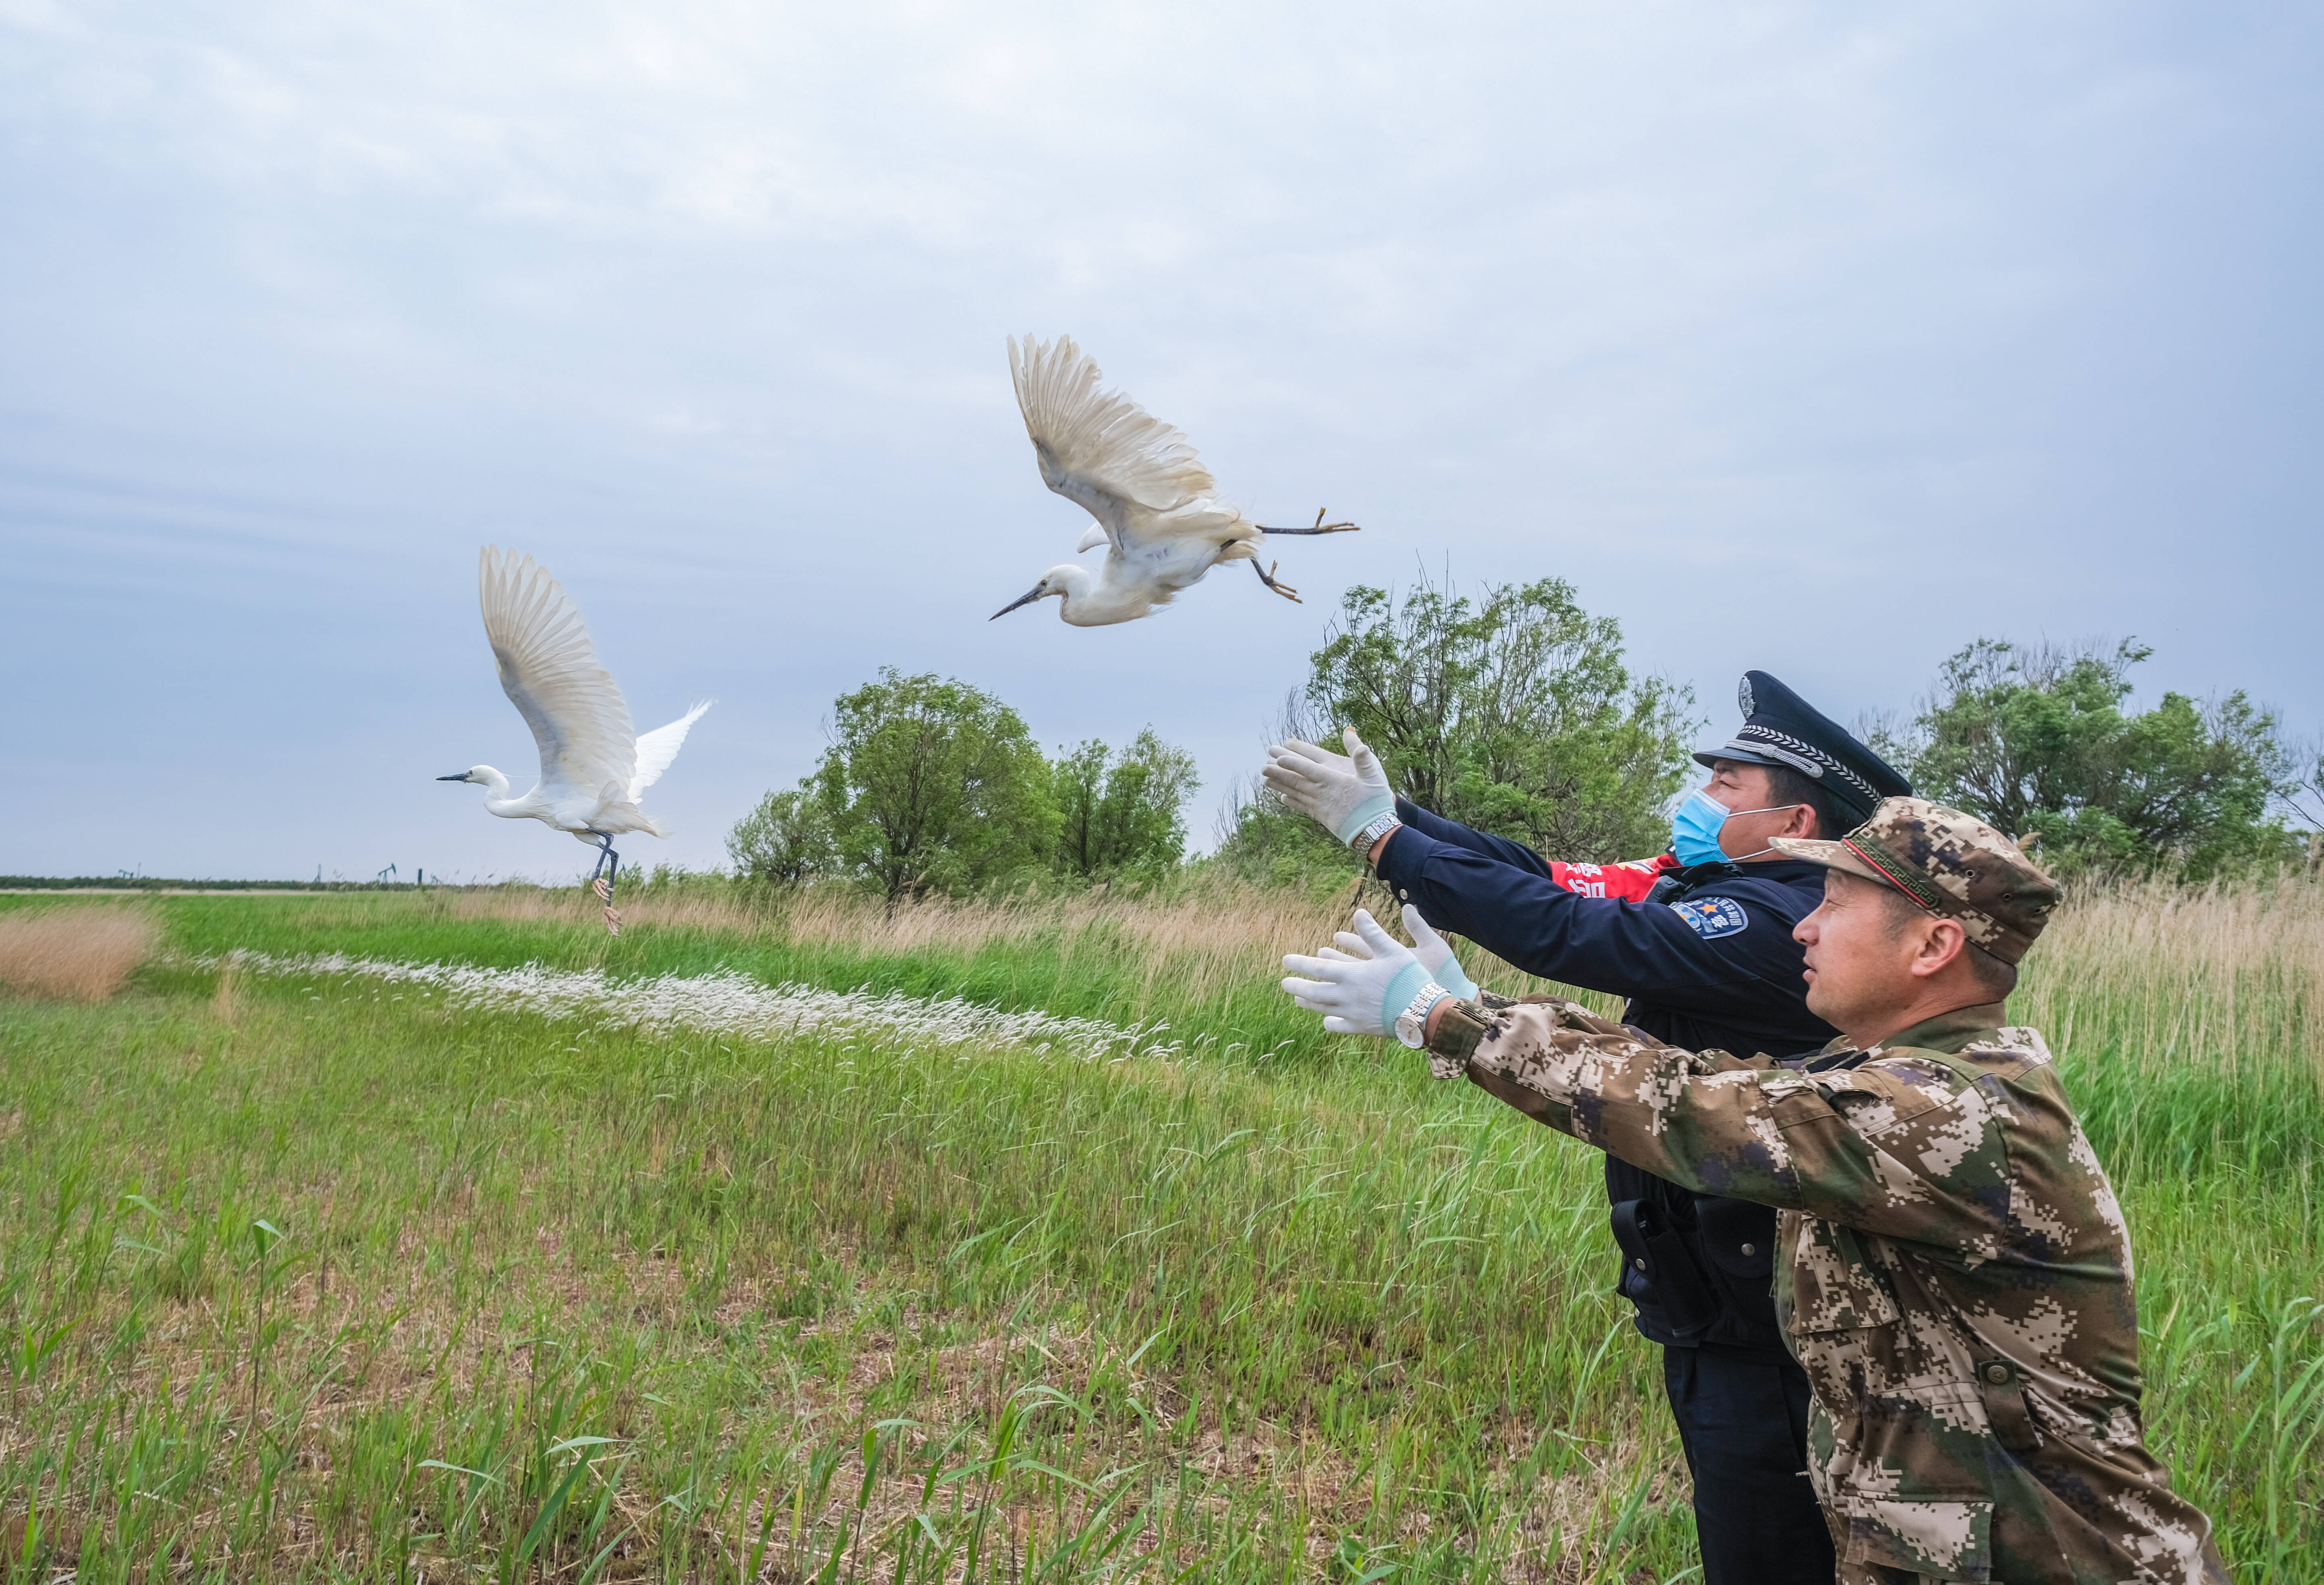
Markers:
(1953, 1269)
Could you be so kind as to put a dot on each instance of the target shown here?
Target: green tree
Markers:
(1261, 840)
(1511, 711)
(2302, 788)
(930, 784)
(2041, 740)
(784, 840)
(1123, 815)
(2301, 794)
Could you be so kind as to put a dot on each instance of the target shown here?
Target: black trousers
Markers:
(1743, 1417)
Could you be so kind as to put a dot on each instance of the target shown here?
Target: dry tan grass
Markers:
(2172, 971)
(1202, 941)
(2214, 974)
(226, 1003)
(1233, 917)
(82, 952)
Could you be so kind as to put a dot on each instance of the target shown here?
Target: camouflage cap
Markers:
(1948, 862)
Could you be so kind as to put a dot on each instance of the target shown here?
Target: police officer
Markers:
(1700, 941)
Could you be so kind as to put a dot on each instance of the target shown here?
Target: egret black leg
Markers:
(1266, 575)
(1320, 526)
(604, 850)
(609, 864)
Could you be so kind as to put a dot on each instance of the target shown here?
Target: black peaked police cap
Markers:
(1781, 728)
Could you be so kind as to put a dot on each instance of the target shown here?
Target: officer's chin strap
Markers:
(1772, 808)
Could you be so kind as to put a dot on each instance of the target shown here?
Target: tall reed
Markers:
(2161, 976)
(82, 952)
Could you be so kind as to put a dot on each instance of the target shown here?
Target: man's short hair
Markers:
(1995, 978)
(1786, 785)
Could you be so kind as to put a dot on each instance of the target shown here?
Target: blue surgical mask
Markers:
(1694, 828)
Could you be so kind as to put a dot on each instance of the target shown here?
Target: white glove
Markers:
(1343, 793)
(1435, 955)
(1361, 988)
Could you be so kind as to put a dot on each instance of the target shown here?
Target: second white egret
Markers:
(1154, 503)
(593, 766)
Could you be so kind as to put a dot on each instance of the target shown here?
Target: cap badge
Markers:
(1743, 699)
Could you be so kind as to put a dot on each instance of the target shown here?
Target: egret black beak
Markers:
(1022, 599)
(461, 777)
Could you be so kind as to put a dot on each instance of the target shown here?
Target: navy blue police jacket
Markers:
(1709, 965)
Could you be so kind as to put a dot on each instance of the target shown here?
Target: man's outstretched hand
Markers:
(1343, 793)
(1360, 988)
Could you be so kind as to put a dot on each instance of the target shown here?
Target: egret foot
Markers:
(1285, 589)
(1320, 526)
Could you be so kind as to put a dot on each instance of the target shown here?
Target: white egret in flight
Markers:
(1151, 496)
(593, 763)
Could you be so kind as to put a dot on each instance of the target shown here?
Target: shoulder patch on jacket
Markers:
(1712, 917)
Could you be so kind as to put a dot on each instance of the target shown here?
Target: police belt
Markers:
(1664, 1271)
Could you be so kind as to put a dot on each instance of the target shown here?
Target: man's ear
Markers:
(1941, 947)
(1802, 823)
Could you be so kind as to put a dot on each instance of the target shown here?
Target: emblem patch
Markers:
(1712, 917)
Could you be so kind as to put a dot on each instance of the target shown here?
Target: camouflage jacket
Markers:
(1952, 1271)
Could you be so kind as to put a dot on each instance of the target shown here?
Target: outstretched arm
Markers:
(1452, 833)
(1628, 949)
(1628, 881)
(1349, 795)
(1831, 1144)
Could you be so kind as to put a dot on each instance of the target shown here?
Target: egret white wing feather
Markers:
(1099, 448)
(658, 747)
(548, 668)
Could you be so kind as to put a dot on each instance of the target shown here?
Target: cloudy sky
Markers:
(1816, 339)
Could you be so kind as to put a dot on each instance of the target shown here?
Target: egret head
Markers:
(1063, 581)
(480, 774)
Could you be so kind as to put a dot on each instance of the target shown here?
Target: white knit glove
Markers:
(1343, 793)
(1361, 988)
(1435, 955)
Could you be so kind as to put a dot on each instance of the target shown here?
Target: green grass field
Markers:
(315, 1276)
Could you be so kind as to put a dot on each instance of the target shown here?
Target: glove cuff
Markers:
(1353, 823)
(1455, 978)
(1406, 984)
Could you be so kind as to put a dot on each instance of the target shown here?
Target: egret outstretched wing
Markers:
(1099, 448)
(549, 670)
(658, 747)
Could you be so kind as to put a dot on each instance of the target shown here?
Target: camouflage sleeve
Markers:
(1884, 1147)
